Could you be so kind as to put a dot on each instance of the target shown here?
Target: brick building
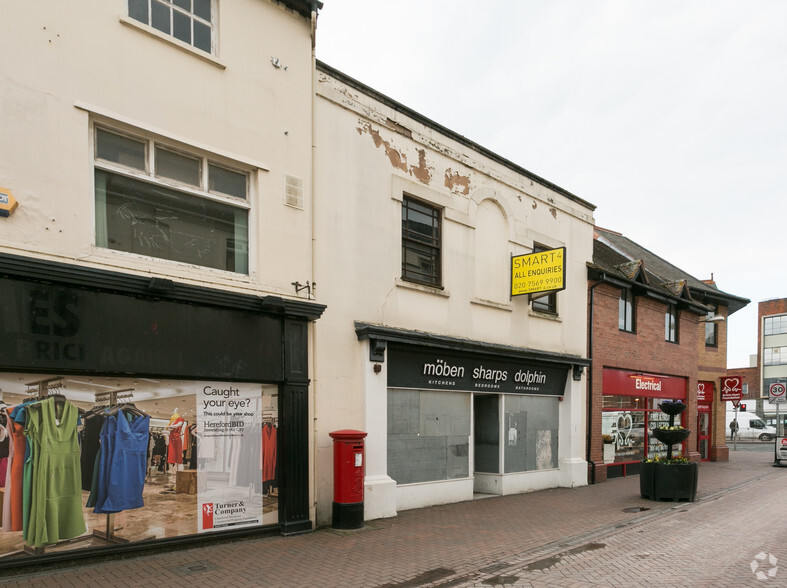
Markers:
(670, 343)
(771, 360)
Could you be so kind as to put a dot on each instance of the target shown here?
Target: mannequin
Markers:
(175, 446)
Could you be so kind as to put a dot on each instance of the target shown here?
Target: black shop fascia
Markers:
(58, 318)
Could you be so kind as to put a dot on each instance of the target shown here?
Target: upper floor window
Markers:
(671, 324)
(775, 325)
(711, 330)
(626, 310)
(543, 302)
(420, 243)
(774, 356)
(153, 199)
(190, 21)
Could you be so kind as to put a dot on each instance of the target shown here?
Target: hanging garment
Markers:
(128, 464)
(269, 443)
(121, 463)
(91, 432)
(15, 487)
(99, 488)
(56, 507)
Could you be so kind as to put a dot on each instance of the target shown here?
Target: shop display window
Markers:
(530, 433)
(428, 435)
(132, 459)
(626, 432)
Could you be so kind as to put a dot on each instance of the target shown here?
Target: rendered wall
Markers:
(368, 156)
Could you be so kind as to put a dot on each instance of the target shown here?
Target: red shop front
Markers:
(705, 392)
(629, 410)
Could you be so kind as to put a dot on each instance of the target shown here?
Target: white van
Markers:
(750, 426)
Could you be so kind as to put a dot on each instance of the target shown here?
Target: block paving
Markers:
(601, 535)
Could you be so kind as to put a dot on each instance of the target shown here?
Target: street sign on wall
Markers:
(731, 388)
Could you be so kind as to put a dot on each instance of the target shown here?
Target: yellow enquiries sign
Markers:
(542, 271)
(7, 202)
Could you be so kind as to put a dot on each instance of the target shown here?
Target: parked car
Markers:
(750, 426)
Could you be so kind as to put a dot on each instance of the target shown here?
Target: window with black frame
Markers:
(711, 330)
(626, 311)
(671, 324)
(421, 243)
(543, 302)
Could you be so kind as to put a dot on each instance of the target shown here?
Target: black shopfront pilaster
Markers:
(64, 318)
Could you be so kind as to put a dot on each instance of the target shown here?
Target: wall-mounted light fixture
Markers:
(717, 318)
(310, 288)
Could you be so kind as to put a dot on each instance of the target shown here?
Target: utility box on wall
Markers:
(348, 478)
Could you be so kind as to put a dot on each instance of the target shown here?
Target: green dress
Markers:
(56, 491)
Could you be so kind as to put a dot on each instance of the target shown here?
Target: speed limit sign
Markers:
(777, 393)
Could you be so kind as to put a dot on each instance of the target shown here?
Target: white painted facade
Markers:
(258, 105)
(67, 67)
(370, 154)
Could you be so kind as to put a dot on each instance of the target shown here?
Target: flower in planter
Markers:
(679, 459)
(672, 428)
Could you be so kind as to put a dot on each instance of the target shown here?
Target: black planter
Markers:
(672, 408)
(677, 481)
(671, 437)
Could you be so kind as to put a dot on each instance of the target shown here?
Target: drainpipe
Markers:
(590, 384)
(314, 353)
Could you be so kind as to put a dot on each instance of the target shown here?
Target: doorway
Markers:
(703, 431)
(486, 444)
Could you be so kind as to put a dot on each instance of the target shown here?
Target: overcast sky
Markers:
(670, 116)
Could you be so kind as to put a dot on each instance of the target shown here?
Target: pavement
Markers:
(600, 535)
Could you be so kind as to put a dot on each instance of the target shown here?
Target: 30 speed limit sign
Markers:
(777, 393)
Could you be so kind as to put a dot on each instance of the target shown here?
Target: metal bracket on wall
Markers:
(377, 350)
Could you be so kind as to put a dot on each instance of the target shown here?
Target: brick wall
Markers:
(644, 350)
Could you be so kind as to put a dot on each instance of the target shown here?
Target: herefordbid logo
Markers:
(647, 384)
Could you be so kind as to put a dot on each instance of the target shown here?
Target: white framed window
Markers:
(190, 21)
(774, 356)
(161, 200)
(775, 325)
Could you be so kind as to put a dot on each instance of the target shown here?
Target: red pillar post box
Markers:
(348, 474)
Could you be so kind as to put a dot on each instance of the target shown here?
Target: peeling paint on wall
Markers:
(398, 160)
(457, 183)
(535, 204)
(553, 212)
(422, 172)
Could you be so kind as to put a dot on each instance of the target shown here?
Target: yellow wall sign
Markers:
(542, 271)
(7, 202)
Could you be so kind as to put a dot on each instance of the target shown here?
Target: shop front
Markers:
(705, 392)
(140, 411)
(629, 411)
(464, 419)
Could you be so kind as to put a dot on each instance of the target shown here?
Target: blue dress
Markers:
(122, 464)
(129, 462)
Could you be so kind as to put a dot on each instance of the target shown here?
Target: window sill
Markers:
(545, 315)
(491, 304)
(130, 22)
(400, 283)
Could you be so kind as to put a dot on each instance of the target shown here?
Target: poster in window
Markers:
(229, 455)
